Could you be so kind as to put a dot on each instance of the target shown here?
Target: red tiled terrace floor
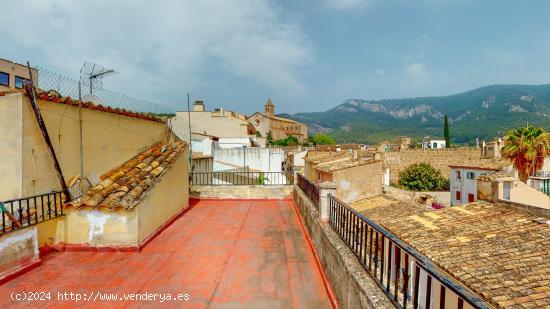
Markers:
(230, 254)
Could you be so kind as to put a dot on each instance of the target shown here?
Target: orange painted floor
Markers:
(228, 254)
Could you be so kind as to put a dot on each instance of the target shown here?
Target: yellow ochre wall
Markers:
(101, 227)
(165, 199)
(108, 141)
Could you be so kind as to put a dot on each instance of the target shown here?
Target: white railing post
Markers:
(324, 189)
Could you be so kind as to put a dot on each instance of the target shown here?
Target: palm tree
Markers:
(526, 147)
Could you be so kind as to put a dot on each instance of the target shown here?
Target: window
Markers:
(20, 82)
(458, 197)
(471, 175)
(470, 198)
(4, 79)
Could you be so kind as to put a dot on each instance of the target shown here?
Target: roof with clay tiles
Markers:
(200, 155)
(124, 186)
(499, 253)
(54, 96)
(323, 157)
(340, 165)
(485, 164)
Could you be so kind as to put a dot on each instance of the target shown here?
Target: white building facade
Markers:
(463, 183)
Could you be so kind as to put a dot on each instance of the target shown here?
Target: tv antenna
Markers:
(92, 74)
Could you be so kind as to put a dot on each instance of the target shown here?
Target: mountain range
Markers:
(483, 113)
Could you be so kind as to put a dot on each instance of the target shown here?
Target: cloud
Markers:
(347, 4)
(171, 46)
(417, 74)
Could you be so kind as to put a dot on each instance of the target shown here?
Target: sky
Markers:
(306, 55)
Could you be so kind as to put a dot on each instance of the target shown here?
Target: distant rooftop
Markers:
(486, 164)
(340, 165)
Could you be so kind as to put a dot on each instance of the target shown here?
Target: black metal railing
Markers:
(309, 188)
(29, 211)
(241, 178)
(407, 277)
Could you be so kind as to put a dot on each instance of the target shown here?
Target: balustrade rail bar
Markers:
(407, 277)
(241, 178)
(310, 189)
(30, 211)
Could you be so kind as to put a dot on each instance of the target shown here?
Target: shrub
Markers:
(423, 177)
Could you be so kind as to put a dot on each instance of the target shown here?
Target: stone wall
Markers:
(438, 158)
(240, 192)
(359, 182)
(351, 284)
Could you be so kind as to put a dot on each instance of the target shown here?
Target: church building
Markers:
(279, 127)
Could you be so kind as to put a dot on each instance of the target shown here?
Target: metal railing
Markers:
(29, 211)
(310, 189)
(408, 278)
(241, 178)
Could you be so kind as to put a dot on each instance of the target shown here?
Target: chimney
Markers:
(198, 106)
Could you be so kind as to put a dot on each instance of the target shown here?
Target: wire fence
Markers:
(69, 87)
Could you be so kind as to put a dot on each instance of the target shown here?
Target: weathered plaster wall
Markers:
(11, 142)
(99, 228)
(165, 199)
(359, 182)
(241, 192)
(123, 228)
(438, 158)
(108, 140)
(18, 249)
(351, 284)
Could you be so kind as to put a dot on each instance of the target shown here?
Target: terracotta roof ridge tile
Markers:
(54, 96)
(124, 186)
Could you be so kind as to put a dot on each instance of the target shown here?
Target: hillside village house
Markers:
(13, 75)
(354, 178)
(434, 144)
(279, 127)
(314, 158)
(463, 179)
(498, 188)
(230, 129)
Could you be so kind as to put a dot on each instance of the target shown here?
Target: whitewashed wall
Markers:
(261, 159)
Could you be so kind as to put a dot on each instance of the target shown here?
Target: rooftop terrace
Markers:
(239, 254)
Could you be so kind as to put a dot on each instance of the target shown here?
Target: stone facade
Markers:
(438, 158)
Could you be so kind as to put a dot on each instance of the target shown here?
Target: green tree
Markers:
(526, 147)
(423, 177)
(288, 141)
(446, 133)
(322, 139)
(269, 138)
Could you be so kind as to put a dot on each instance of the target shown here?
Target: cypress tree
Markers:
(446, 133)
